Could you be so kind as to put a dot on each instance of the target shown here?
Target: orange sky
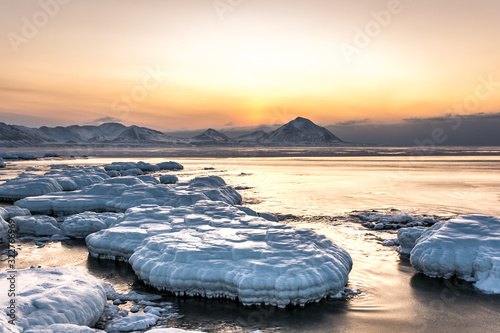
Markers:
(194, 64)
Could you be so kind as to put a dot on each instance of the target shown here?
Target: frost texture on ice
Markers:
(28, 185)
(408, 237)
(83, 224)
(54, 296)
(468, 247)
(138, 223)
(36, 225)
(119, 194)
(139, 321)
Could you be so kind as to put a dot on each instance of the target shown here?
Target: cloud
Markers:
(480, 129)
(104, 120)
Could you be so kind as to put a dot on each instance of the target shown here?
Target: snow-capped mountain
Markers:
(13, 135)
(211, 136)
(301, 131)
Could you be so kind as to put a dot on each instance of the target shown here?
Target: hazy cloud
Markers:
(103, 120)
(481, 129)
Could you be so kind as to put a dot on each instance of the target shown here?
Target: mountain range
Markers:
(298, 132)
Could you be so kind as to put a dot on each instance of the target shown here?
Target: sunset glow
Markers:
(189, 65)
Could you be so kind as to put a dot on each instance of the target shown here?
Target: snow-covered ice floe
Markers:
(9, 212)
(27, 184)
(36, 225)
(49, 296)
(83, 224)
(2, 163)
(467, 247)
(139, 321)
(119, 194)
(169, 179)
(214, 249)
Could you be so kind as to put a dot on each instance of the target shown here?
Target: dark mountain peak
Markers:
(302, 131)
(211, 135)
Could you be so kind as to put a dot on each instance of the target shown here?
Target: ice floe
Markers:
(168, 179)
(467, 247)
(119, 194)
(393, 219)
(63, 328)
(51, 296)
(123, 166)
(9, 212)
(36, 225)
(139, 321)
(170, 166)
(2, 163)
(83, 224)
(27, 184)
(255, 262)
(214, 249)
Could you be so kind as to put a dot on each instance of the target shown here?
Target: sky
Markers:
(185, 65)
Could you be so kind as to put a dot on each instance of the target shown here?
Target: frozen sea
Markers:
(321, 192)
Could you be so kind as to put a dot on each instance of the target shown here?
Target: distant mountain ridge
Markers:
(299, 132)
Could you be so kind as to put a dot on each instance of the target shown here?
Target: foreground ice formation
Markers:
(51, 296)
(83, 224)
(214, 249)
(119, 194)
(467, 247)
(27, 184)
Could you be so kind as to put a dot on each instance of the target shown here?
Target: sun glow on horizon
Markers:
(261, 58)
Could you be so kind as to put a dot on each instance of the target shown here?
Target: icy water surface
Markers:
(393, 296)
